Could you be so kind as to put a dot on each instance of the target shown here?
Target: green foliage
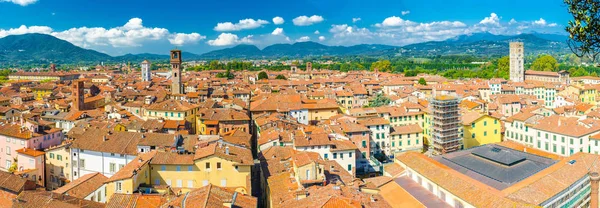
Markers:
(382, 66)
(263, 75)
(503, 67)
(13, 167)
(46, 81)
(545, 63)
(578, 72)
(379, 100)
(584, 28)
(422, 81)
(281, 77)
(226, 74)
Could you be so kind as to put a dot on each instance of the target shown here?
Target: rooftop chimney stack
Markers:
(227, 150)
(104, 138)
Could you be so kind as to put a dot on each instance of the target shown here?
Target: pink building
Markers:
(31, 165)
(30, 135)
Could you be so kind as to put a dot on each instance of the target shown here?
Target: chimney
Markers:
(143, 136)
(594, 179)
(104, 138)
(140, 160)
(227, 150)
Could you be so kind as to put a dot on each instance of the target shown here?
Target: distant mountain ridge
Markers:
(41, 48)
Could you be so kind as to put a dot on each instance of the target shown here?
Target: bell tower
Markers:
(78, 94)
(176, 87)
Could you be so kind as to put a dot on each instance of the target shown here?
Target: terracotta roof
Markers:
(83, 186)
(211, 196)
(46, 199)
(30, 152)
(132, 167)
(241, 156)
(407, 129)
(172, 158)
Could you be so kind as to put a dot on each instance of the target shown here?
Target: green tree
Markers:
(263, 75)
(545, 63)
(281, 77)
(382, 66)
(584, 28)
(379, 100)
(227, 74)
(410, 73)
(422, 81)
(503, 67)
(214, 64)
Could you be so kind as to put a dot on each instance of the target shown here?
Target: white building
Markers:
(146, 74)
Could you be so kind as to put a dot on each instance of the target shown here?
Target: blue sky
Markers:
(139, 26)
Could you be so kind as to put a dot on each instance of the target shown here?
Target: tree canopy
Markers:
(382, 66)
(422, 81)
(584, 28)
(545, 63)
(379, 100)
(263, 75)
(281, 77)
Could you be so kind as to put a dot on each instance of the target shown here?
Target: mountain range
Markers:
(41, 48)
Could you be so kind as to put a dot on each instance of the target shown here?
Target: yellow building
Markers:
(129, 178)
(43, 90)
(57, 166)
(172, 110)
(479, 129)
(427, 129)
(407, 138)
(321, 109)
(587, 94)
(217, 164)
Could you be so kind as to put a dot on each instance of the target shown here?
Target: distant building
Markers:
(39, 76)
(517, 71)
(146, 75)
(446, 123)
(544, 76)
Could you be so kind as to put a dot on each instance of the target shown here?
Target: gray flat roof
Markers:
(494, 165)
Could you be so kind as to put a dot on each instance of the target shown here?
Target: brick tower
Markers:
(176, 87)
(78, 95)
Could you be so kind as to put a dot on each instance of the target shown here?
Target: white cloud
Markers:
(305, 21)
(244, 24)
(226, 39)
(321, 38)
(303, 39)
(356, 19)
(317, 32)
(540, 22)
(338, 28)
(277, 31)
(131, 34)
(493, 19)
(182, 38)
(24, 30)
(512, 21)
(278, 20)
(20, 2)
(394, 21)
(405, 12)
(552, 25)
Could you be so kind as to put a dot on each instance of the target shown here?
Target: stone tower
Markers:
(146, 74)
(517, 71)
(176, 87)
(308, 67)
(52, 67)
(78, 95)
